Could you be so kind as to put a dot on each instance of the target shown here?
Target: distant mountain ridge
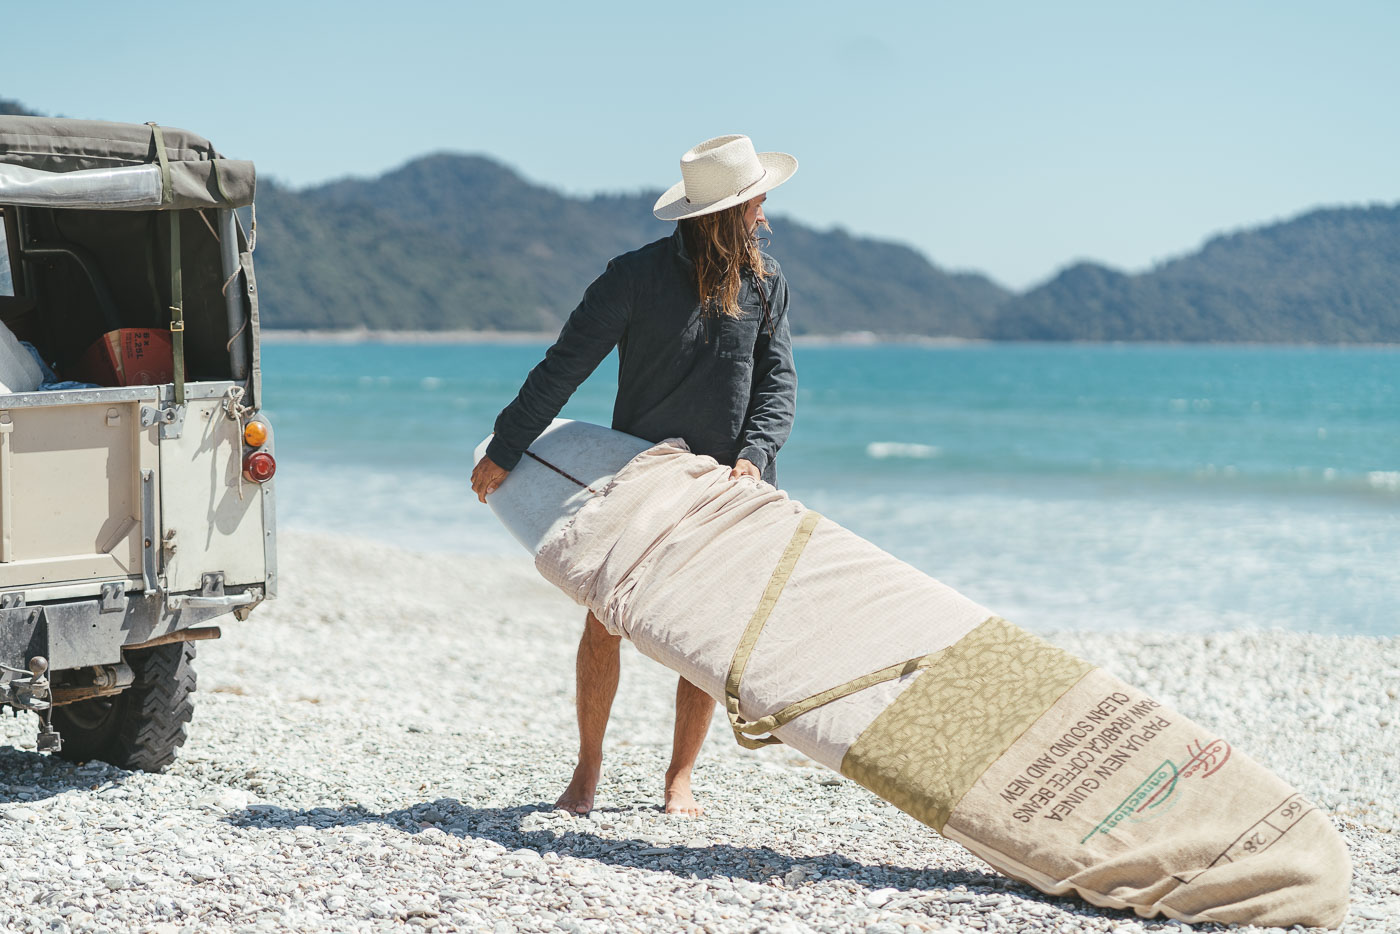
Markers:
(1327, 276)
(489, 250)
(476, 246)
(9, 108)
(450, 241)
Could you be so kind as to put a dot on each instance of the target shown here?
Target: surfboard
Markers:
(1049, 768)
(569, 464)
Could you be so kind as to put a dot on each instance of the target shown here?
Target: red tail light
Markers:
(259, 467)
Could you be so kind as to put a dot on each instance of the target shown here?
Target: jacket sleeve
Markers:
(773, 402)
(591, 332)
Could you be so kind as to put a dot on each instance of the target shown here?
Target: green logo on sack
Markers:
(1157, 793)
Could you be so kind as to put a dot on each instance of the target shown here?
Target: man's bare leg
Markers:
(693, 710)
(596, 670)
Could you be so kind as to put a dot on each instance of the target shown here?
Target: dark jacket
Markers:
(725, 385)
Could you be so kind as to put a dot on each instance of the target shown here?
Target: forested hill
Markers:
(454, 241)
(1329, 276)
(9, 108)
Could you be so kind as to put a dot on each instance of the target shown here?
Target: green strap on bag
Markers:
(177, 293)
(750, 733)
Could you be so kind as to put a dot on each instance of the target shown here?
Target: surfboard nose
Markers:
(480, 451)
(569, 463)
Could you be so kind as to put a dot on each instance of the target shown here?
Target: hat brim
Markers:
(778, 167)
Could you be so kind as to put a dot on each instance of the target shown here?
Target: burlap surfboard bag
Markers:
(1050, 769)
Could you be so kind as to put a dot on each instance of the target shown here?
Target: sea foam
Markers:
(883, 450)
(1388, 480)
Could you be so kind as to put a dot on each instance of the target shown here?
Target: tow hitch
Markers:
(33, 693)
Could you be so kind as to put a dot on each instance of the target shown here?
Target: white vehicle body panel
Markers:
(210, 514)
(70, 492)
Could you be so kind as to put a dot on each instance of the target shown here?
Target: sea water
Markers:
(1080, 486)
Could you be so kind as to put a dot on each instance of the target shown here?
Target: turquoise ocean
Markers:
(1175, 488)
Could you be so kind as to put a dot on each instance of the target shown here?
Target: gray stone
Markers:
(328, 831)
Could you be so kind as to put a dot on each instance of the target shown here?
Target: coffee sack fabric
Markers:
(1050, 769)
(675, 556)
(1104, 792)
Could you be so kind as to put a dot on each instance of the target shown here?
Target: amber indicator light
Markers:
(255, 433)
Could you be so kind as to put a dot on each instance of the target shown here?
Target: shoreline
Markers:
(844, 339)
(378, 336)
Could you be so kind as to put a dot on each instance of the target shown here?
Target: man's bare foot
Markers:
(679, 799)
(578, 797)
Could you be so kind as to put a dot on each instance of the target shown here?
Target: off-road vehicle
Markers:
(135, 463)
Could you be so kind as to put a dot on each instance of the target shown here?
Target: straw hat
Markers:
(720, 173)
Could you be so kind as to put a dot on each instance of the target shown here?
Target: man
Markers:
(700, 322)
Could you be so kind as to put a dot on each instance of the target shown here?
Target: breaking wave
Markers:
(1387, 480)
(883, 450)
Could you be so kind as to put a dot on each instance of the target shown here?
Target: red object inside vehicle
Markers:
(128, 357)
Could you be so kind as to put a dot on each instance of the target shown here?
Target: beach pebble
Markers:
(302, 804)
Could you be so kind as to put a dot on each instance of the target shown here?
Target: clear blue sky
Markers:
(1010, 138)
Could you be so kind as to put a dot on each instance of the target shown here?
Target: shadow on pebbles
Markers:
(378, 749)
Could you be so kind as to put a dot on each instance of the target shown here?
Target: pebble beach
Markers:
(379, 749)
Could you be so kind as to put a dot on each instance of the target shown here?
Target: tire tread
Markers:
(147, 721)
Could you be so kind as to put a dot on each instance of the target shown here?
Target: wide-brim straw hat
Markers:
(720, 173)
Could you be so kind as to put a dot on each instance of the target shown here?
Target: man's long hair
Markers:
(722, 250)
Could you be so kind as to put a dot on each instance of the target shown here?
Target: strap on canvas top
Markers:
(177, 310)
(167, 187)
(177, 293)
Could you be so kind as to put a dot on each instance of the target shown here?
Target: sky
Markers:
(1006, 138)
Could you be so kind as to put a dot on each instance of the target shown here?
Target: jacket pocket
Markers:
(735, 337)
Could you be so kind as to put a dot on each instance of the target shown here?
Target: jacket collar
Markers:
(678, 244)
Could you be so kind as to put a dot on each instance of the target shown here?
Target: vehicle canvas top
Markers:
(97, 189)
(52, 162)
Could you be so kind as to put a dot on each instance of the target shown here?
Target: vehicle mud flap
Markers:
(24, 634)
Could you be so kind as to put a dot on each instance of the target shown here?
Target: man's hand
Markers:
(742, 468)
(486, 477)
